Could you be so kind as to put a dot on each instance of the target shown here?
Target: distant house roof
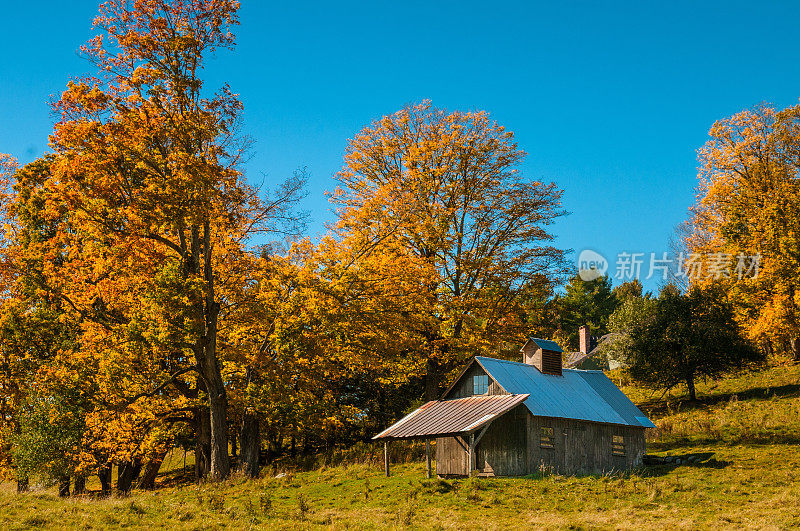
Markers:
(451, 417)
(573, 359)
(580, 395)
(544, 344)
(598, 341)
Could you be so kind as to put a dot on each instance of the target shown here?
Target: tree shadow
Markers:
(176, 477)
(661, 406)
(658, 466)
(765, 439)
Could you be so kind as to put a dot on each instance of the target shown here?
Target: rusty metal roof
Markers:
(451, 417)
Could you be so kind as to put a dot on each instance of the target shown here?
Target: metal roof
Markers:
(546, 344)
(581, 395)
(451, 417)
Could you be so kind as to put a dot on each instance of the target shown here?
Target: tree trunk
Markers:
(127, 474)
(220, 462)
(234, 440)
(794, 344)
(690, 386)
(250, 438)
(202, 448)
(63, 486)
(23, 484)
(80, 485)
(209, 367)
(432, 379)
(104, 474)
(148, 481)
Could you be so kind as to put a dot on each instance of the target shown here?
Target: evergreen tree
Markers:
(585, 303)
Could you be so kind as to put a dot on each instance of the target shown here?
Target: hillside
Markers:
(739, 468)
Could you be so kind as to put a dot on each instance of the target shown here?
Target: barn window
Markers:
(480, 384)
(618, 445)
(546, 438)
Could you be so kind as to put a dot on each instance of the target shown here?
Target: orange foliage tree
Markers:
(161, 219)
(749, 205)
(438, 198)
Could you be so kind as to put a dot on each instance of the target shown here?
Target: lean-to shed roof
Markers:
(451, 417)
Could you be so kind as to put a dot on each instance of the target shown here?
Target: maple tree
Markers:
(155, 248)
(747, 206)
(318, 345)
(441, 195)
(36, 337)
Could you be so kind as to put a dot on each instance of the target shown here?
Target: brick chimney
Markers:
(585, 338)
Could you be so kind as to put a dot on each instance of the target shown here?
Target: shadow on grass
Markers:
(762, 439)
(658, 466)
(175, 478)
(653, 466)
(683, 404)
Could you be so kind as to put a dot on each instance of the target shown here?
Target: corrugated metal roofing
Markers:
(449, 417)
(546, 344)
(581, 395)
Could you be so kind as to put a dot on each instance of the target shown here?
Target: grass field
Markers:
(744, 432)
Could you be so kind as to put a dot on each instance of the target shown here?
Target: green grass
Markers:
(746, 430)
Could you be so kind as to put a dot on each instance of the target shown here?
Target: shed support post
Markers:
(471, 464)
(473, 442)
(386, 458)
(428, 458)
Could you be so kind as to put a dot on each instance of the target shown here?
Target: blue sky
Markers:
(610, 100)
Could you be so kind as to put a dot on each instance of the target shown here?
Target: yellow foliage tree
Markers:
(749, 206)
(435, 201)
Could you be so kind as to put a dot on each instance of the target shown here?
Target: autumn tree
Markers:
(630, 289)
(538, 307)
(440, 194)
(147, 163)
(38, 372)
(748, 206)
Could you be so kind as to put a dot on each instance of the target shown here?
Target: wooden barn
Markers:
(505, 418)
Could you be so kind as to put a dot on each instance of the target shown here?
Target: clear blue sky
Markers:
(610, 100)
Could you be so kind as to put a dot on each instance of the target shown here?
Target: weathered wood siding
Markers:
(451, 456)
(547, 361)
(464, 386)
(511, 447)
(503, 449)
(582, 447)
